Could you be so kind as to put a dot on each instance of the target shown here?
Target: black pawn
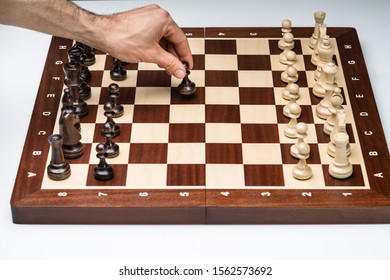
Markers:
(110, 126)
(103, 171)
(58, 169)
(118, 73)
(114, 95)
(187, 87)
(112, 148)
(89, 57)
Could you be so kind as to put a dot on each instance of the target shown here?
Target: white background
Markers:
(22, 56)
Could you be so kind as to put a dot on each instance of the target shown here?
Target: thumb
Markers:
(170, 63)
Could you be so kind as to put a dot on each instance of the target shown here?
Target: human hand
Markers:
(147, 34)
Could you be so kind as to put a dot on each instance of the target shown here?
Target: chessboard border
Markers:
(30, 204)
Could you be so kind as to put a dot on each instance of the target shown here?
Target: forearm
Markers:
(56, 17)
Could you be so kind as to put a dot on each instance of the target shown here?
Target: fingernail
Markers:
(179, 74)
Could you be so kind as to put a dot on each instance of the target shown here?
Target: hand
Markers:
(147, 34)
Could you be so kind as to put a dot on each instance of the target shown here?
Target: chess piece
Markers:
(72, 147)
(187, 87)
(302, 171)
(103, 171)
(322, 108)
(290, 75)
(76, 54)
(319, 18)
(73, 81)
(112, 148)
(326, 80)
(291, 103)
(118, 73)
(67, 105)
(301, 129)
(89, 57)
(291, 91)
(58, 168)
(325, 55)
(114, 95)
(314, 56)
(336, 102)
(340, 126)
(289, 44)
(110, 126)
(340, 167)
(286, 28)
(294, 112)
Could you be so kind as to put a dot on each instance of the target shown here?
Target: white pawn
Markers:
(288, 43)
(319, 18)
(301, 135)
(290, 75)
(302, 171)
(294, 112)
(291, 91)
(336, 101)
(322, 108)
(286, 28)
(340, 167)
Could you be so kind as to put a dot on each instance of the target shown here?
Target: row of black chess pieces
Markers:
(67, 144)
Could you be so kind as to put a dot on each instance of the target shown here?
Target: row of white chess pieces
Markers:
(330, 108)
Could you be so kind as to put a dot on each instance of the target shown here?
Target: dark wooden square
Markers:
(302, 79)
(148, 153)
(221, 78)
(151, 114)
(287, 158)
(263, 175)
(223, 153)
(186, 132)
(355, 180)
(153, 78)
(222, 113)
(260, 96)
(254, 62)
(260, 133)
(220, 46)
(123, 137)
(186, 175)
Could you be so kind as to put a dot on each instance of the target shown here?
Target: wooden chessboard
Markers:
(219, 157)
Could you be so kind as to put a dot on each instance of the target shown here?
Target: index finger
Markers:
(175, 36)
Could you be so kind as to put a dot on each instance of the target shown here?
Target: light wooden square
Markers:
(253, 46)
(95, 96)
(304, 96)
(222, 95)
(197, 45)
(149, 133)
(315, 182)
(130, 81)
(187, 114)
(277, 66)
(186, 153)
(225, 176)
(148, 66)
(221, 62)
(87, 132)
(255, 79)
(311, 134)
(261, 154)
(146, 175)
(99, 64)
(153, 95)
(356, 156)
(223, 133)
(77, 179)
(258, 114)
